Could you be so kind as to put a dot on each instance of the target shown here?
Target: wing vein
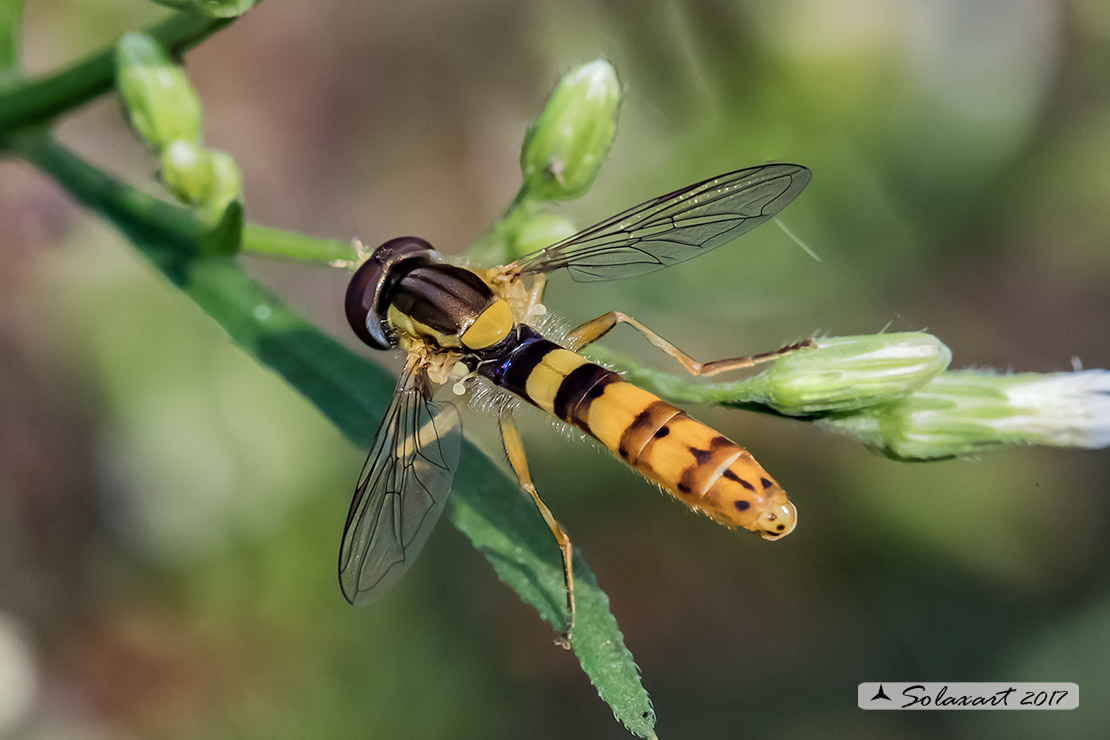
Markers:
(674, 227)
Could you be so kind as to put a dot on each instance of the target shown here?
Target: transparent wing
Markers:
(401, 490)
(673, 227)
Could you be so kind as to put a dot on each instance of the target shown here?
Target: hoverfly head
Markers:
(368, 294)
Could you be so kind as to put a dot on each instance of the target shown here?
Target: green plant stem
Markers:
(11, 16)
(519, 200)
(35, 102)
(735, 394)
(278, 243)
(179, 230)
(494, 247)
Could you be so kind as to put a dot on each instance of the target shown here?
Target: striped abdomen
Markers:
(690, 460)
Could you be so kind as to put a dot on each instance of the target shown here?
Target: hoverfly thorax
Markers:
(405, 289)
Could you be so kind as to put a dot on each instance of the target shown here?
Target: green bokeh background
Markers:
(170, 512)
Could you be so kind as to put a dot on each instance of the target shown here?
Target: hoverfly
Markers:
(454, 320)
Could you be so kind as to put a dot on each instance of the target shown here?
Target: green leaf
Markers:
(227, 236)
(487, 506)
(519, 546)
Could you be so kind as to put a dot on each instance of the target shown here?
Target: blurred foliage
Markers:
(959, 152)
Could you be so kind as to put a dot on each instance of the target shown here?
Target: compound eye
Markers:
(402, 246)
(361, 304)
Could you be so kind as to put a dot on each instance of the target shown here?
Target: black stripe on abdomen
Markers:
(579, 389)
(512, 372)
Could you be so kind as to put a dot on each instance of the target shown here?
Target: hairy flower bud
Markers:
(850, 373)
(565, 146)
(958, 413)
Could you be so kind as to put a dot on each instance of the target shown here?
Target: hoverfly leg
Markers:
(595, 329)
(535, 294)
(514, 448)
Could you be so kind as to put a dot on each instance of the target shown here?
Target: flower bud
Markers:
(850, 373)
(962, 412)
(187, 171)
(163, 105)
(227, 182)
(206, 178)
(565, 146)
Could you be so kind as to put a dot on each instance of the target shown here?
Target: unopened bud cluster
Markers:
(166, 114)
(894, 393)
(562, 153)
(959, 413)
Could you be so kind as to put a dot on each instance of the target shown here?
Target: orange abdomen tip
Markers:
(693, 462)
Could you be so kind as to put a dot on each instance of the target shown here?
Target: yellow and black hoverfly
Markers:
(460, 321)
